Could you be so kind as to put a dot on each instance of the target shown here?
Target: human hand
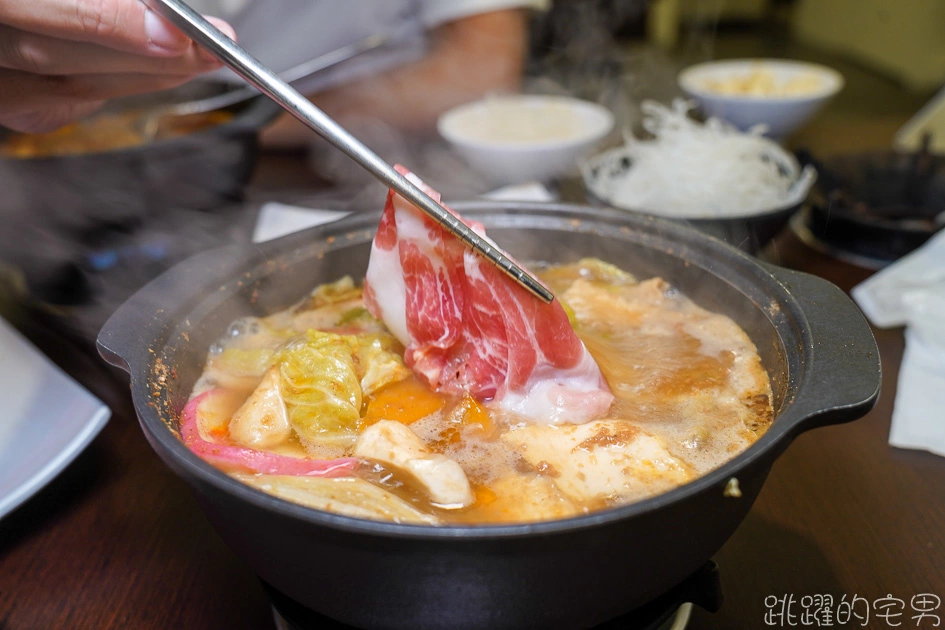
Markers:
(61, 59)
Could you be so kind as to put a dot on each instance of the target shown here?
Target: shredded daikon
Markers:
(694, 170)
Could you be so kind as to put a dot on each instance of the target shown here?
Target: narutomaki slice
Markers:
(257, 461)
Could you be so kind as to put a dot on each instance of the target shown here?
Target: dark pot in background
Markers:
(55, 209)
(578, 572)
(871, 209)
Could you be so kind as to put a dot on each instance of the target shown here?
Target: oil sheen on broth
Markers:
(690, 393)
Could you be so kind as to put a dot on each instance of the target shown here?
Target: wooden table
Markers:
(117, 541)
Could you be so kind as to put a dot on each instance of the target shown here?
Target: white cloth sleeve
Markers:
(436, 12)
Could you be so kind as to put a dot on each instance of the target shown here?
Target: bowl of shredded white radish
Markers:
(780, 94)
(520, 138)
(739, 186)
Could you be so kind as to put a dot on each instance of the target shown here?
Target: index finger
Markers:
(125, 25)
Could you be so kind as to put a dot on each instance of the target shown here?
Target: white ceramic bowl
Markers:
(516, 139)
(784, 95)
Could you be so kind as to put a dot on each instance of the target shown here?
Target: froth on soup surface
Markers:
(324, 381)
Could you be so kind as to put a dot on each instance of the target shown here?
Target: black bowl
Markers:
(748, 233)
(814, 343)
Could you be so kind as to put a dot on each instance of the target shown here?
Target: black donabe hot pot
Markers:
(815, 344)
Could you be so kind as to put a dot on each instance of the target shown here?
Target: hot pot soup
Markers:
(438, 392)
(108, 132)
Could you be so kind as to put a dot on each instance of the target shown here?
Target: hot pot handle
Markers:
(841, 374)
(142, 323)
(124, 336)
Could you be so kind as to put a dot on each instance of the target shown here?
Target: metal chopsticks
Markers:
(240, 61)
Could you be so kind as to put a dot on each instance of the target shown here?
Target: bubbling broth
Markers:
(315, 405)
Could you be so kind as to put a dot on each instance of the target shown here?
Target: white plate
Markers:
(46, 419)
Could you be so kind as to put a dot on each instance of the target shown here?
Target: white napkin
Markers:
(278, 219)
(532, 191)
(881, 295)
(919, 414)
(911, 292)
